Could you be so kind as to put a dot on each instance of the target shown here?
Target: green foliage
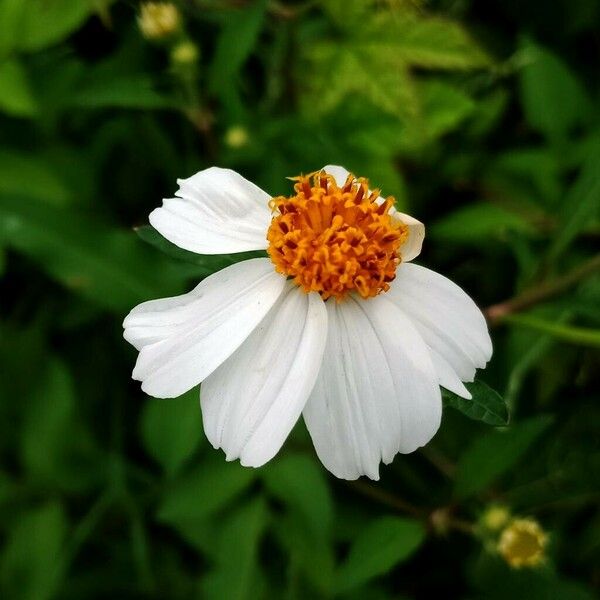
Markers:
(375, 56)
(235, 44)
(202, 491)
(16, 95)
(235, 574)
(55, 446)
(480, 118)
(205, 264)
(582, 202)
(381, 545)
(299, 483)
(128, 91)
(494, 453)
(485, 405)
(40, 23)
(30, 175)
(554, 101)
(30, 567)
(91, 258)
(480, 223)
(171, 430)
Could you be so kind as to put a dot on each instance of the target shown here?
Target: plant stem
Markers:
(576, 335)
(439, 520)
(386, 498)
(542, 292)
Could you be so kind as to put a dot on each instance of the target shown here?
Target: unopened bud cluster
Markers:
(521, 542)
(158, 20)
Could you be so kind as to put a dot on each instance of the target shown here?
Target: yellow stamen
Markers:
(522, 543)
(334, 240)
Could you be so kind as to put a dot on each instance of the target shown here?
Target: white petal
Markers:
(377, 392)
(447, 376)
(339, 173)
(184, 339)
(253, 400)
(216, 211)
(447, 319)
(416, 234)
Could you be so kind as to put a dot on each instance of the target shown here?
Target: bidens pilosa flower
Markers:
(336, 324)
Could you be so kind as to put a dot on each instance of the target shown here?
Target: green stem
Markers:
(576, 335)
(542, 292)
(83, 531)
(439, 519)
(386, 498)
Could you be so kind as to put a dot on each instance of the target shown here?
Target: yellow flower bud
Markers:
(495, 517)
(236, 137)
(185, 53)
(158, 20)
(522, 543)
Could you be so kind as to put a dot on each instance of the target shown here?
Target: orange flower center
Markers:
(333, 240)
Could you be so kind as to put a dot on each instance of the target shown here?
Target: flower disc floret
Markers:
(334, 240)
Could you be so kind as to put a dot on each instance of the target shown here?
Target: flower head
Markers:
(522, 543)
(158, 20)
(237, 136)
(185, 53)
(336, 239)
(495, 517)
(335, 325)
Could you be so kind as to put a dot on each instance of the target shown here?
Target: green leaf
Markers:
(102, 263)
(495, 453)
(300, 483)
(495, 580)
(127, 91)
(382, 544)
(29, 565)
(430, 42)
(30, 175)
(582, 203)
(171, 430)
(11, 13)
(341, 70)
(443, 108)
(374, 61)
(479, 223)
(46, 22)
(553, 99)
(56, 448)
(486, 405)
(305, 530)
(207, 488)
(16, 96)
(235, 575)
(207, 264)
(236, 41)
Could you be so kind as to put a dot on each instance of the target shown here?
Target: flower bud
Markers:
(185, 54)
(495, 517)
(158, 20)
(236, 137)
(522, 543)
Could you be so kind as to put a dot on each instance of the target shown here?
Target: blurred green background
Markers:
(481, 118)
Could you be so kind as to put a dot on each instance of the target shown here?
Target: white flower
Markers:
(336, 324)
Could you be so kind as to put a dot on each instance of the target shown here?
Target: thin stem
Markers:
(439, 520)
(386, 498)
(542, 292)
(439, 461)
(575, 335)
(83, 531)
